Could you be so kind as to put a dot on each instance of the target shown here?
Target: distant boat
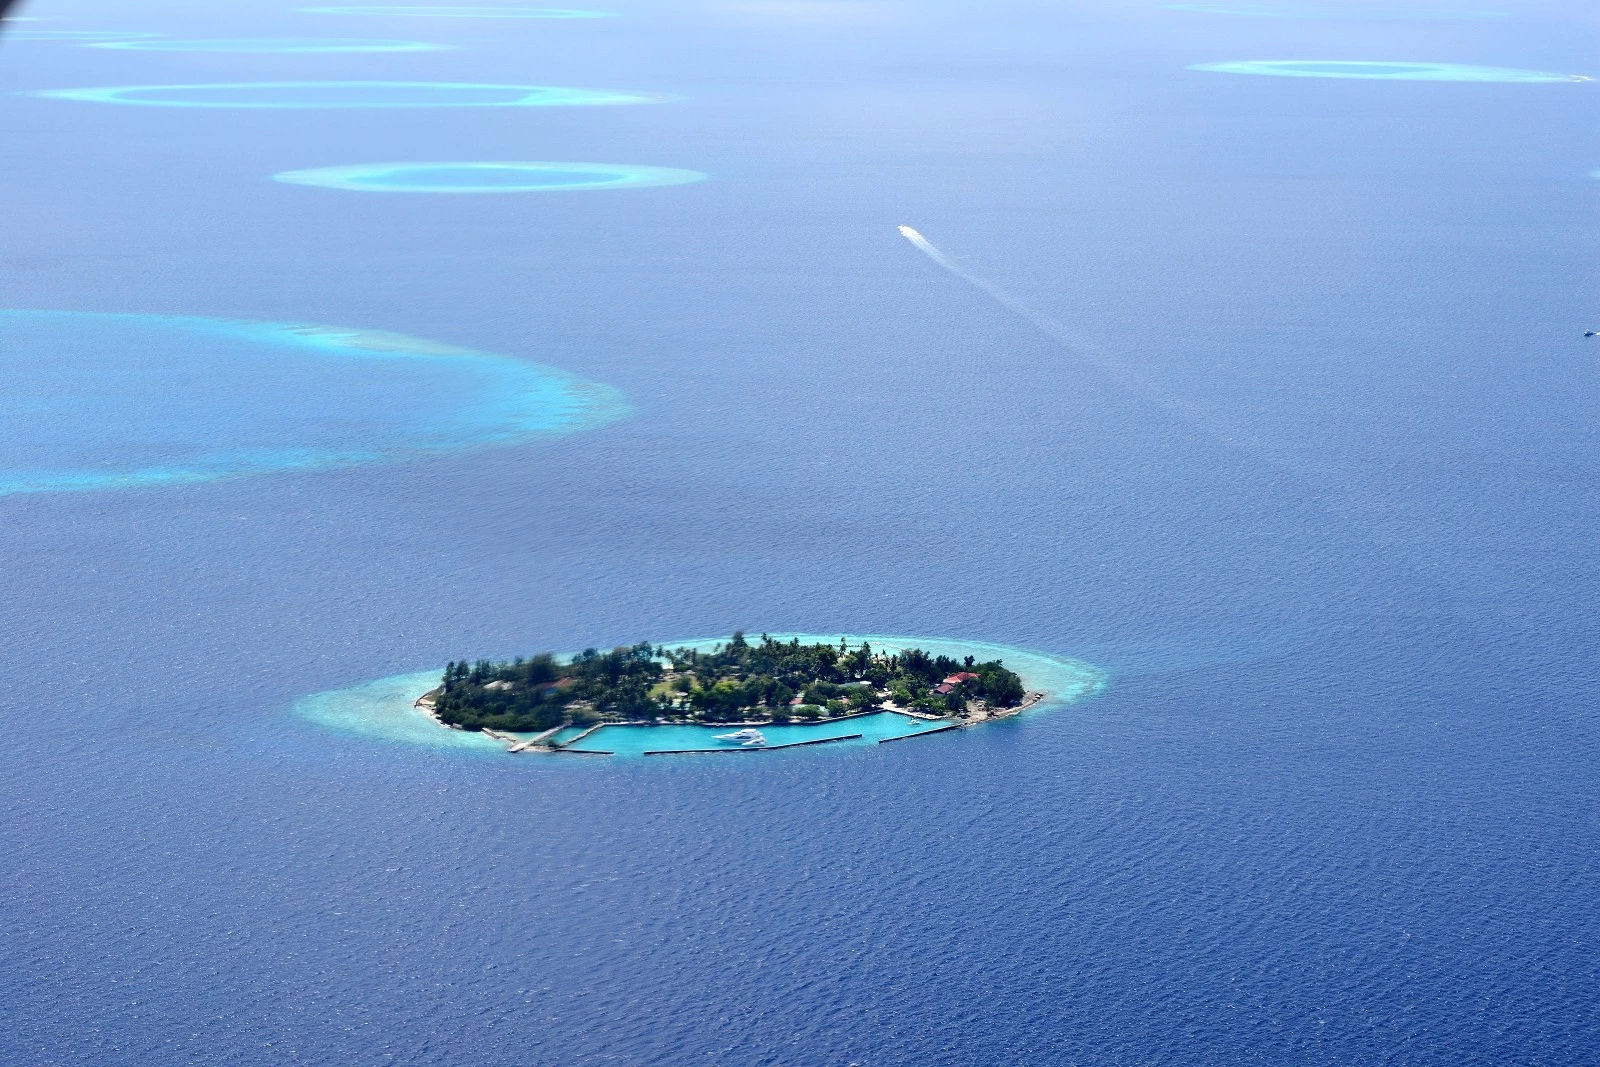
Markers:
(744, 738)
(1589, 333)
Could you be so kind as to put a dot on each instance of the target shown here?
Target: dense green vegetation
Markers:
(736, 681)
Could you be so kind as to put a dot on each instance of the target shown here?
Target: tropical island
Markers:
(739, 682)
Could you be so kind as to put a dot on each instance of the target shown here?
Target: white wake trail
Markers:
(929, 249)
(925, 246)
(1364, 512)
(1187, 413)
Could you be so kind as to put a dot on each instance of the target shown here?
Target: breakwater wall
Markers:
(925, 733)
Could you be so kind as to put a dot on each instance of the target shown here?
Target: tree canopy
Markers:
(736, 681)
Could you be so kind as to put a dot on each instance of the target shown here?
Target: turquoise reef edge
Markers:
(305, 95)
(1385, 71)
(386, 709)
(223, 398)
(459, 178)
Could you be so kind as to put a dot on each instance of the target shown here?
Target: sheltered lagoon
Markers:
(445, 11)
(270, 45)
(95, 401)
(386, 709)
(345, 95)
(452, 178)
(1383, 71)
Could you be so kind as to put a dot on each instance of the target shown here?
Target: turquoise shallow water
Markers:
(1342, 68)
(639, 740)
(71, 35)
(348, 94)
(114, 401)
(488, 177)
(269, 45)
(1315, 488)
(385, 709)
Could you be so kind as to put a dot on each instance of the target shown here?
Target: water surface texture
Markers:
(1351, 68)
(270, 46)
(1283, 418)
(374, 94)
(1341, 11)
(465, 12)
(487, 177)
(117, 401)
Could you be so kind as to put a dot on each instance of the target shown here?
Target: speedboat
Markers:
(744, 738)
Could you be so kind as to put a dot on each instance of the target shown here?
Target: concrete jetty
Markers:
(537, 741)
(924, 733)
(568, 744)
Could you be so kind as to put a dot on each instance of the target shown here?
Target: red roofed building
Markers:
(952, 683)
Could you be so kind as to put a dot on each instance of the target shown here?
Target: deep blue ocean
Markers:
(1288, 426)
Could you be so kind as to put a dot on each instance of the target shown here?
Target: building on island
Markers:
(954, 682)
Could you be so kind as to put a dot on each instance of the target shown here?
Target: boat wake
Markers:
(1363, 511)
(1221, 430)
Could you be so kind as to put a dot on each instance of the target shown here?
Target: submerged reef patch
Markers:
(345, 95)
(270, 45)
(387, 709)
(487, 177)
(1386, 71)
(446, 11)
(93, 401)
(72, 35)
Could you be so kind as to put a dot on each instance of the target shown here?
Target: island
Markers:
(738, 683)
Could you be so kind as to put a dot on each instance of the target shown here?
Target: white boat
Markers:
(744, 738)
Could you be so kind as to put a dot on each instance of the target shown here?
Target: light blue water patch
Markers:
(1357, 13)
(1342, 68)
(442, 11)
(685, 739)
(116, 401)
(270, 45)
(346, 95)
(72, 35)
(487, 177)
(386, 709)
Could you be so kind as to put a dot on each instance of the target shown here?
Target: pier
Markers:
(566, 745)
(537, 741)
(925, 733)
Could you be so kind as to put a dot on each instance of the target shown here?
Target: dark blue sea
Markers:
(1267, 396)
